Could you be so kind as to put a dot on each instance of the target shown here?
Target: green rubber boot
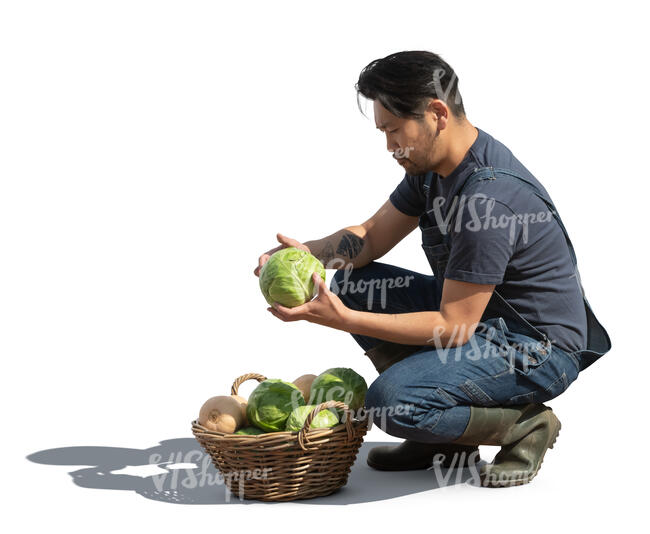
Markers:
(524, 432)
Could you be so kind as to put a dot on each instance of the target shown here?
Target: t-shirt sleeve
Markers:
(408, 196)
(484, 241)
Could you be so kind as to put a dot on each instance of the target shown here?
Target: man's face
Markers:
(412, 141)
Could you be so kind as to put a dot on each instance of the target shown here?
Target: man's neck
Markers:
(459, 144)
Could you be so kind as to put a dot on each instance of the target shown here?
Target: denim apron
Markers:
(436, 245)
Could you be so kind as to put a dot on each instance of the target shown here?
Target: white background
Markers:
(149, 153)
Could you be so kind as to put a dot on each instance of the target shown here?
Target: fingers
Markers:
(284, 239)
(289, 314)
(280, 313)
(285, 242)
(264, 258)
(320, 283)
(290, 242)
(260, 262)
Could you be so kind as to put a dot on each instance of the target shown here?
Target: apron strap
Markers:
(598, 342)
(428, 178)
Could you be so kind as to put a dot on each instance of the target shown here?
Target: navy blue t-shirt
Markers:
(503, 234)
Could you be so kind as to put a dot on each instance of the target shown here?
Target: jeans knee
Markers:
(376, 395)
(386, 405)
(398, 410)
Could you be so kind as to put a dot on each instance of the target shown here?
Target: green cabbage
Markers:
(339, 384)
(271, 402)
(249, 431)
(323, 419)
(287, 277)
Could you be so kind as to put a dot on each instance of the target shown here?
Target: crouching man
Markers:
(472, 351)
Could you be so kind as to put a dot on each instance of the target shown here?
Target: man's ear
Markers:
(440, 111)
(442, 122)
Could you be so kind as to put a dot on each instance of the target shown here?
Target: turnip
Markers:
(222, 414)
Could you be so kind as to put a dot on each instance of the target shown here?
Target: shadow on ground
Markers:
(178, 471)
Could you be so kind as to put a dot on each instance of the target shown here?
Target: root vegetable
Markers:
(222, 414)
(303, 383)
(243, 402)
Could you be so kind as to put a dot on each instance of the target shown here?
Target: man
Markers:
(470, 353)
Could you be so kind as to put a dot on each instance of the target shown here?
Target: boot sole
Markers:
(382, 467)
(488, 483)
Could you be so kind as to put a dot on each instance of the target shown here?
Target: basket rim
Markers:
(278, 433)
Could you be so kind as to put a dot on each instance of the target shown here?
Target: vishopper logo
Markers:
(480, 208)
(187, 478)
(335, 393)
(400, 153)
(479, 476)
(367, 285)
(379, 414)
(452, 468)
(443, 94)
(485, 342)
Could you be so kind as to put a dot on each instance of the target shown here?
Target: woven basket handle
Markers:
(302, 441)
(248, 376)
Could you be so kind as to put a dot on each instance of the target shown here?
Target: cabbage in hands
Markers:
(286, 277)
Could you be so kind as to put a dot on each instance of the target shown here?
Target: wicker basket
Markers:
(285, 466)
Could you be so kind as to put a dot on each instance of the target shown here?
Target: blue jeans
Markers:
(426, 397)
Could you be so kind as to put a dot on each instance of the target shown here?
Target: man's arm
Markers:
(361, 244)
(461, 308)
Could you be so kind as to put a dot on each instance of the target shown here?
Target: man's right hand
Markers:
(284, 243)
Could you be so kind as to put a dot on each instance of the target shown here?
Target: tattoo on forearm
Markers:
(350, 245)
(327, 254)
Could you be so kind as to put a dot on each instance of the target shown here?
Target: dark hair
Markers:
(403, 82)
